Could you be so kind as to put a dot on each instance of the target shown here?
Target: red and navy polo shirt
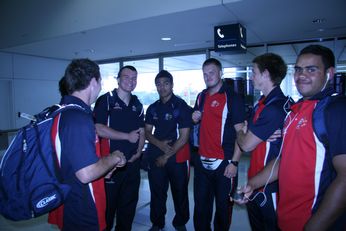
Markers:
(217, 133)
(306, 170)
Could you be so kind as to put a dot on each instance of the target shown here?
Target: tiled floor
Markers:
(142, 221)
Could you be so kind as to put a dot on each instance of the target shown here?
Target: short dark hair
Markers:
(212, 61)
(78, 75)
(164, 74)
(275, 65)
(132, 68)
(326, 54)
(62, 87)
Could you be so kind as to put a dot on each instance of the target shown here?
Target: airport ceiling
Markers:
(109, 29)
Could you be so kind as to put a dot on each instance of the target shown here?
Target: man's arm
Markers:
(178, 144)
(246, 140)
(140, 145)
(271, 171)
(231, 169)
(101, 167)
(334, 201)
(109, 133)
(162, 145)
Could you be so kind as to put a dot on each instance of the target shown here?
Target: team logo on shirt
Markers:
(214, 103)
(117, 106)
(302, 123)
(168, 116)
(134, 108)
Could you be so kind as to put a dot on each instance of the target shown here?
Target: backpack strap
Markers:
(200, 100)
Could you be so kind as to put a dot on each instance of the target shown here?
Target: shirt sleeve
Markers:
(270, 119)
(101, 109)
(335, 120)
(185, 117)
(78, 136)
(149, 115)
(141, 116)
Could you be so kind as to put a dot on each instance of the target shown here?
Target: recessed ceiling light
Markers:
(166, 39)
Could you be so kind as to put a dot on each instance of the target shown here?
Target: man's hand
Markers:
(230, 171)
(119, 160)
(245, 127)
(196, 116)
(247, 191)
(166, 148)
(133, 136)
(162, 160)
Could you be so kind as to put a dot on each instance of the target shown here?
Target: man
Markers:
(80, 164)
(220, 114)
(119, 117)
(311, 176)
(168, 153)
(267, 73)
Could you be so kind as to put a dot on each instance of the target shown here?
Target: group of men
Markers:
(295, 181)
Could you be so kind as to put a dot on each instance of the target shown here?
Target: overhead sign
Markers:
(230, 38)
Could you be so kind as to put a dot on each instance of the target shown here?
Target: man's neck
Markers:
(82, 96)
(215, 89)
(124, 95)
(165, 99)
(267, 90)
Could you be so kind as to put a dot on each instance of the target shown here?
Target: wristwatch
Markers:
(235, 163)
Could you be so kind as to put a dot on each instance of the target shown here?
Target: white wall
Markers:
(27, 84)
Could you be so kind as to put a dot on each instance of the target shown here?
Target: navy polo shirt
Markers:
(272, 117)
(167, 118)
(335, 121)
(266, 119)
(77, 151)
(123, 118)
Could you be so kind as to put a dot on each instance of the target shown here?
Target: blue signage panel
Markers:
(230, 38)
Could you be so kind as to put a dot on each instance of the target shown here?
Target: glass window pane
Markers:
(109, 72)
(147, 70)
(187, 74)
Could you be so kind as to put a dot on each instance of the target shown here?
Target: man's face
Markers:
(211, 75)
(257, 77)
(127, 80)
(164, 87)
(310, 75)
(96, 89)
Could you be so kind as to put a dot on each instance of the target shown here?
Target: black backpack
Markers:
(29, 177)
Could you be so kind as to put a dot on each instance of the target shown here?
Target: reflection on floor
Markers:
(142, 220)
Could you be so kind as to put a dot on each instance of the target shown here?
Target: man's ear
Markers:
(266, 74)
(93, 83)
(330, 73)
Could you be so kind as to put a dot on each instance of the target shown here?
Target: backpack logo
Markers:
(45, 201)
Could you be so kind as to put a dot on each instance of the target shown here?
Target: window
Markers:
(109, 73)
(187, 74)
(147, 70)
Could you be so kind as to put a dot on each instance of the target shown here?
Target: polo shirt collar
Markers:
(70, 99)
